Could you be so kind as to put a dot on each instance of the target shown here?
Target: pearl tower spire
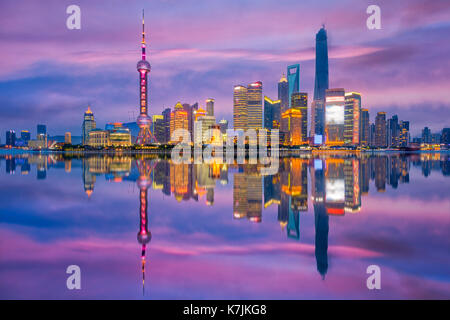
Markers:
(143, 120)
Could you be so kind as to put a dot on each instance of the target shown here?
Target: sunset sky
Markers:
(200, 49)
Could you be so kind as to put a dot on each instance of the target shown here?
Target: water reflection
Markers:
(335, 185)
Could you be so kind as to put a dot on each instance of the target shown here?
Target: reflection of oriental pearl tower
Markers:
(144, 235)
(143, 120)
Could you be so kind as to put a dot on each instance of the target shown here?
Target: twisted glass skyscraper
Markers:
(321, 81)
(321, 84)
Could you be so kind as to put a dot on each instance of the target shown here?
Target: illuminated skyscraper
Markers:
(10, 138)
(334, 116)
(317, 120)
(25, 135)
(158, 128)
(240, 107)
(223, 126)
(321, 79)
(299, 101)
(166, 124)
(403, 140)
(68, 138)
(271, 113)
(42, 134)
(392, 131)
(210, 107)
(247, 106)
(254, 105)
(291, 124)
(380, 130)
(190, 111)
(283, 93)
(320, 85)
(426, 135)
(364, 129)
(143, 121)
(352, 113)
(41, 129)
(293, 77)
(178, 119)
(88, 125)
(445, 136)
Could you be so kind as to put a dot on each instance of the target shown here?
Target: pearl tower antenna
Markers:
(143, 121)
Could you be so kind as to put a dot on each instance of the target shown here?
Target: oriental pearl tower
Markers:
(143, 121)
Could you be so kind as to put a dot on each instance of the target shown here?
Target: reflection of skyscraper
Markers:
(334, 186)
(10, 165)
(321, 239)
(293, 195)
(240, 204)
(271, 190)
(179, 180)
(247, 194)
(254, 196)
(365, 175)
(320, 215)
(352, 185)
(380, 173)
(88, 177)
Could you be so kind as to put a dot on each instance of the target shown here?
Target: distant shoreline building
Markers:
(88, 125)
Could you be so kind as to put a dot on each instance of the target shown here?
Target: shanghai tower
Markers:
(321, 83)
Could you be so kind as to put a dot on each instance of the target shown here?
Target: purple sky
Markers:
(200, 49)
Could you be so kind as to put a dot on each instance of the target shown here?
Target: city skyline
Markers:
(199, 58)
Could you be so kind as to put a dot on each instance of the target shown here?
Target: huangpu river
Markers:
(144, 227)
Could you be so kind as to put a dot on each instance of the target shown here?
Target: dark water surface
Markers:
(225, 231)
